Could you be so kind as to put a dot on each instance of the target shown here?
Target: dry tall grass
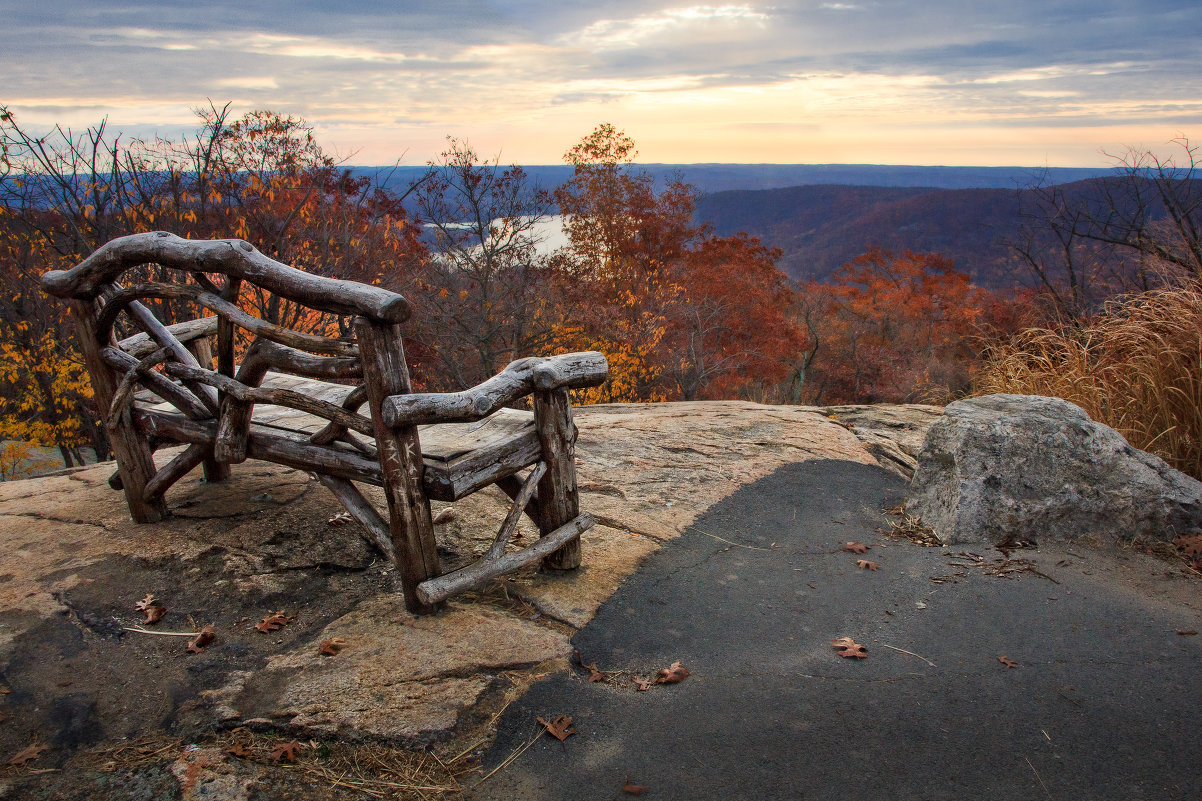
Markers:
(1138, 369)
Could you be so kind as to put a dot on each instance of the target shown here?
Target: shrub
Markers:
(1137, 368)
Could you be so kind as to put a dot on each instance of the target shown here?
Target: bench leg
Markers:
(558, 500)
(135, 457)
(412, 530)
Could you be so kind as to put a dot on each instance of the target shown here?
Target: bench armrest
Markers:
(141, 345)
(518, 379)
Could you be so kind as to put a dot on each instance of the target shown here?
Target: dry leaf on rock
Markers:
(1007, 661)
(273, 622)
(864, 564)
(26, 754)
(1189, 544)
(340, 519)
(202, 638)
(560, 728)
(595, 675)
(445, 516)
(847, 647)
(643, 684)
(332, 646)
(149, 607)
(855, 547)
(285, 752)
(633, 789)
(673, 674)
(240, 750)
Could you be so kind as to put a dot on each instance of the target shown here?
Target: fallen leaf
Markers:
(855, 547)
(202, 638)
(864, 564)
(284, 751)
(332, 647)
(340, 519)
(633, 789)
(673, 674)
(153, 614)
(240, 750)
(559, 728)
(26, 754)
(594, 674)
(848, 647)
(1189, 544)
(273, 622)
(445, 516)
(643, 684)
(1188, 633)
(1007, 661)
(149, 600)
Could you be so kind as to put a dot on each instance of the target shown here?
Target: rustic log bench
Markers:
(281, 403)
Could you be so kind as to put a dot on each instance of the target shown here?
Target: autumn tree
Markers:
(897, 329)
(679, 312)
(484, 292)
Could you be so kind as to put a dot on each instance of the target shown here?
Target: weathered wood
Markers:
(511, 486)
(157, 383)
(557, 494)
(215, 470)
(572, 370)
(459, 477)
(518, 379)
(297, 362)
(362, 510)
(385, 373)
(143, 317)
(174, 470)
(482, 571)
(230, 257)
(333, 431)
(516, 509)
(250, 394)
(140, 345)
(289, 450)
(135, 460)
(128, 297)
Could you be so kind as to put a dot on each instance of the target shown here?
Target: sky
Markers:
(953, 82)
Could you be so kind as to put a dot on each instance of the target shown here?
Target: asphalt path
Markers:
(1104, 702)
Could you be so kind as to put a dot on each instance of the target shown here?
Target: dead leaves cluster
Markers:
(149, 606)
(1190, 547)
(273, 622)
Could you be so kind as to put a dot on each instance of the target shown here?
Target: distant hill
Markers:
(819, 228)
(710, 178)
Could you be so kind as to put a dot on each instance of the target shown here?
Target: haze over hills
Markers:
(724, 177)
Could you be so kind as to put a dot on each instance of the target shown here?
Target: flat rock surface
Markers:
(1098, 704)
(75, 674)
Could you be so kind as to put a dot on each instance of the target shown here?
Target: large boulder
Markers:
(1011, 467)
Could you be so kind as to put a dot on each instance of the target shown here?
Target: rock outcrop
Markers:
(1022, 467)
(73, 564)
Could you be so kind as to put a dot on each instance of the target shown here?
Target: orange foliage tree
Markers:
(680, 313)
(896, 329)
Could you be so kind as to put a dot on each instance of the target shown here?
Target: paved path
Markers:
(1106, 702)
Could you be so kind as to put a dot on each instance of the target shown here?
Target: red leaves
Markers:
(560, 728)
(855, 547)
(203, 637)
(149, 607)
(273, 622)
(1007, 661)
(673, 674)
(864, 564)
(28, 753)
(285, 752)
(240, 750)
(849, 648)
(595, 675)
(633, 789)
(642, 684)
(331, 647)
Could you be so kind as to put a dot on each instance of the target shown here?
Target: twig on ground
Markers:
(1037, 776)
(161, 633)
(510, 758)
(728, 542)
(911, 653)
